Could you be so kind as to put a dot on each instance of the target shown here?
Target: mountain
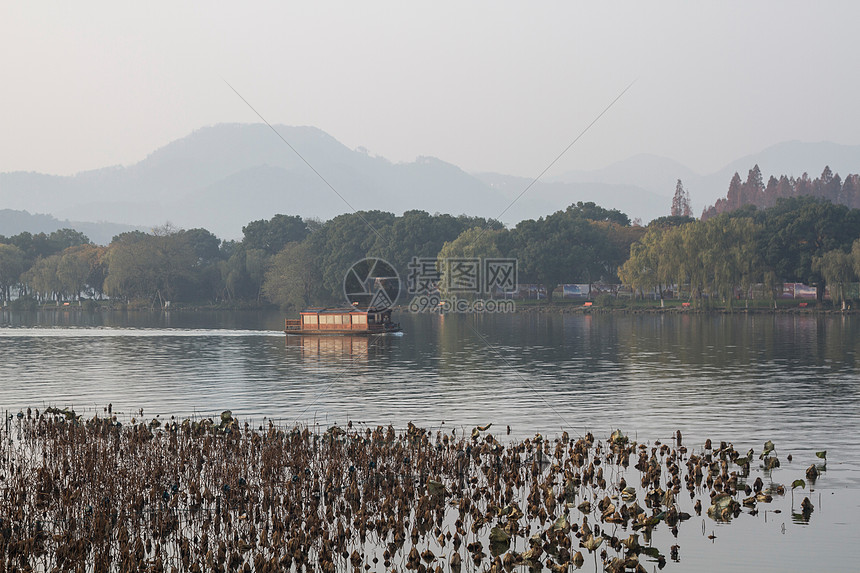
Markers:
(652, 172)
(225, 176)
(14, 222)
(542, 198)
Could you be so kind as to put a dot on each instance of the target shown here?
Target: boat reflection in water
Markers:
(338, 346)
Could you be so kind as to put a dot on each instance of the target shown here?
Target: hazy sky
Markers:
(490, 86)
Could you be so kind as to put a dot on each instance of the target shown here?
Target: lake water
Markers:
(745, 379)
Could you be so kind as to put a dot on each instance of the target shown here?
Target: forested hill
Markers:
(755, 192)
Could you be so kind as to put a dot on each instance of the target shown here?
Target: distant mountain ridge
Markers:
(14, 222)
(658, 175)
(224, 176)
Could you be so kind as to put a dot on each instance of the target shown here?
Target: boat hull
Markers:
(343, 331)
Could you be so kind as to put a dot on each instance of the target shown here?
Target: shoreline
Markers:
(554, 308)
(522, 307)
(550, 308)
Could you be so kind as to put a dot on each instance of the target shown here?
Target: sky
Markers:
(489, 86)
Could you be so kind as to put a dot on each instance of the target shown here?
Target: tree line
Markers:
(295, 262)
(801, 239)
(754, 191)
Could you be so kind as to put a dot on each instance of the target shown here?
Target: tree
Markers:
(73, 270)
(150, 267)
(642, 269)
(681, 202)
(294, 278)
(129, 237)
(837, 269)
(206, 273)
(558, 249)
(855, 256)
(670, 221)
(475, 243)
(42, 278)
(799, 229)
(272, 235)
(96, 258)
(734, 196)
(753, 189)
(593, 212)
(731, 255)
(62, 239)
(11, 267)
(204, 244)
(614, 248)
(256, 264)
(347, 239)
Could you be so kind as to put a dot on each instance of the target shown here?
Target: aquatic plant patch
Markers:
(112, 494)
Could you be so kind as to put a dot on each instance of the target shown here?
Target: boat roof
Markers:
(341, 310)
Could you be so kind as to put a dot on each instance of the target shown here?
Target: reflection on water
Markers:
(792, 379)
(787, 375)
(339, 347)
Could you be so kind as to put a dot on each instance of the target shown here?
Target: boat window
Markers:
(309, 319)
(359, 319)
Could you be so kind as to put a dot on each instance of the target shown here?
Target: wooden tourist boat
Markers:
(349, 320)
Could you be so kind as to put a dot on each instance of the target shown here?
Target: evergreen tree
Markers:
(681, 206)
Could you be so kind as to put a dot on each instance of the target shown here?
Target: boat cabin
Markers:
(350, 320)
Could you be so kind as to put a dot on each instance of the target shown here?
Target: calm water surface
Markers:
(792, 379)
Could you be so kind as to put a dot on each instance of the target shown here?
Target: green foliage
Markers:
(345, 240)
(42, 245)
(593, 212)
(855, 257)
(293, 262)
(670, 221)
(797, 230)
(584, 243)
(798, 240)
(271, 236)
(205, 245)
(642, 270)
(605, 300)
(43, 279)
(64, 238)
(11, 267)
(24, 303)
(129, 237)
(477, 242)
(150, 267)
(294, 279)
(836, 268)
